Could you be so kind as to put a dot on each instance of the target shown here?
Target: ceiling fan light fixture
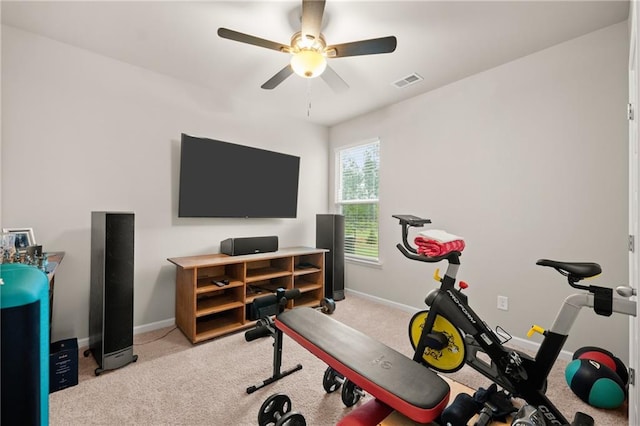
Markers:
(309, 51)
(308, 63)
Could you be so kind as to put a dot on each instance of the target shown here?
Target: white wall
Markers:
(82, 132)
(526, 161)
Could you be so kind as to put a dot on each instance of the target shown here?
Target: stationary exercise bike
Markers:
(450, 334)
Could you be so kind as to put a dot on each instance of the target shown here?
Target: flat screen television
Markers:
(222, 179)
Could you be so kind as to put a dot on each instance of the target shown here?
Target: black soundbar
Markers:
(251, 245)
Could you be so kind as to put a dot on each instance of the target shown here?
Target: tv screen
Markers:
(222, 179)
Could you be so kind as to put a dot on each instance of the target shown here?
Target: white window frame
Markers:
(339, 203)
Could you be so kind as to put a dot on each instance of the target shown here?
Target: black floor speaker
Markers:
(111, 299)
(330, 235)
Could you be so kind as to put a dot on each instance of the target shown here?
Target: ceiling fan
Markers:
(309, 50)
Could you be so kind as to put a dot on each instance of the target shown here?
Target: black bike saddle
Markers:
(575, 269)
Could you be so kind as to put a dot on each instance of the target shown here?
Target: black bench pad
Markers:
(386, 374)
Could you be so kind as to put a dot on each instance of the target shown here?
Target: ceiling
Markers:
(442, 41)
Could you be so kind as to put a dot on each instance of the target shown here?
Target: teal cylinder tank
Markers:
(24, 346)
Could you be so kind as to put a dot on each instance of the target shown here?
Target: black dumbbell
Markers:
(332, 381)
(276, 410)
(327, 305)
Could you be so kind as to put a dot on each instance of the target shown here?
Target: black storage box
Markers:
(63, 364)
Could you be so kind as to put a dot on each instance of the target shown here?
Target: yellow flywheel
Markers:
(448, 359)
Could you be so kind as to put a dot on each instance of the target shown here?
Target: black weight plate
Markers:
(332, 380)
(350, 393)
(292, 419)
(274, 408)
(328, 306)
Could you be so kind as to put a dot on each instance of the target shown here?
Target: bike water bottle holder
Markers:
(602, 297)
(602, 300)
(500, 333)
(503, 335)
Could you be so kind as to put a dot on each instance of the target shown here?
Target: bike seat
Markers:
(575, 269)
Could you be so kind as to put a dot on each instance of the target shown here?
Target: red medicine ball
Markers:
(605, 357)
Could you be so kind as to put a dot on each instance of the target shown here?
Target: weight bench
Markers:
(387, 375)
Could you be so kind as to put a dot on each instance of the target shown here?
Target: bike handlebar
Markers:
(410, 252)
(452, 257)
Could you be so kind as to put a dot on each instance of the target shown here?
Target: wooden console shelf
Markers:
(205, 311)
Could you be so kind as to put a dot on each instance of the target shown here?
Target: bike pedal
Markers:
(582, 419)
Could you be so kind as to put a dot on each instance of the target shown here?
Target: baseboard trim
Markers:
(145, 328)
(518, 342)
(402, 307)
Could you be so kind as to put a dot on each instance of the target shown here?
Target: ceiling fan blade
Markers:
(281, 76)
(249, 39)
(334, 81)
(312, 11)
(363, 47)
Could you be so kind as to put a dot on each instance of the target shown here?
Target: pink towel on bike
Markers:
(435, 242)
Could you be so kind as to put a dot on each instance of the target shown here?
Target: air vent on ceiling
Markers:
(408, 80)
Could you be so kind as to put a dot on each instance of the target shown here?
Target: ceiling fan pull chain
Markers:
(308, 98)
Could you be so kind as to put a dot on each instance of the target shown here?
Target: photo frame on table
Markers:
(24, 237)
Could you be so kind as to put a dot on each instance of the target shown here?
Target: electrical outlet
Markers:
(503, 303)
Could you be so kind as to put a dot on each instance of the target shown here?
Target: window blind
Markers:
(357, 198)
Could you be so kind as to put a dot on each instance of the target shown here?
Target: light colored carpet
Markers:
(177, 383)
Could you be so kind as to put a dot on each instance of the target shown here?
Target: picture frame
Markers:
(24, 237)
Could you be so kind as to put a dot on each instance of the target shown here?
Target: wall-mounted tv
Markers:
(222, 179)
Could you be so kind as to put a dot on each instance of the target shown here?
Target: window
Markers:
(357, 198)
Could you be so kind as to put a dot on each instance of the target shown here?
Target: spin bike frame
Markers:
(515, 371)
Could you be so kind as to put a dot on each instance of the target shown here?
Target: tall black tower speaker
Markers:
(330, 235)
(111, 307)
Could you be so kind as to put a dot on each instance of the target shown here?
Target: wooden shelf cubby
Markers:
(205, 310)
